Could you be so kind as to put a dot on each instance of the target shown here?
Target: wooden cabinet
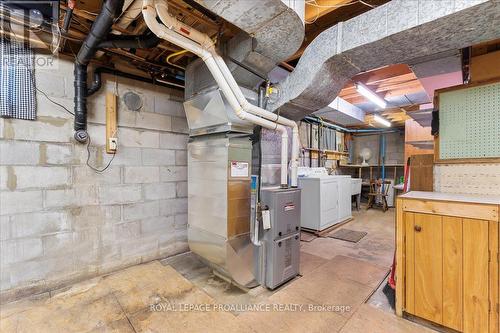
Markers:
(447, 262)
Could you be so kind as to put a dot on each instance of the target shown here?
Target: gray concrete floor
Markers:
(345, 276)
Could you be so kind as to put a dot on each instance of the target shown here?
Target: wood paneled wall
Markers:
(415, 132)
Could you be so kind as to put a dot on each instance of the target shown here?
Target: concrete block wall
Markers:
(60, 221)
(395, 147)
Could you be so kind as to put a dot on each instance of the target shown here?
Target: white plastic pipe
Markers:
(131, 10)
(247, 106)
(181, 28)
(192, 41)
(206, 43)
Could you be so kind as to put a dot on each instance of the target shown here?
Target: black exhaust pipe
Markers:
(144, 41)
(110, 10)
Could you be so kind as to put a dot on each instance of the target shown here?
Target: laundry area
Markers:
(250, 166)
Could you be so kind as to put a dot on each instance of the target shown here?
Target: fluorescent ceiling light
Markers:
(363, 90)
(381, 120)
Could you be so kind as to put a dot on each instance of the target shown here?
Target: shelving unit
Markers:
(361, 167)
(322, 142)
(330, 154)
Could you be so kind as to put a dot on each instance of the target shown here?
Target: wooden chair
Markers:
(378, 189)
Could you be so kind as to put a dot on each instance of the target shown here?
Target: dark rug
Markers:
(348, 235)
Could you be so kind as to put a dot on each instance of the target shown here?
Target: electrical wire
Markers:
(89, 140)
(67, 110)
(93, 168)
(51, 100)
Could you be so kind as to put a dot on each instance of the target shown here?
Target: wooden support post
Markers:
(111, 127)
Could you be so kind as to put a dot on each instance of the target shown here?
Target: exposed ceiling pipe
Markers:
(97, 80)
(162, 11)
(98, 32)
(200, 44)
(97, 38)
(131, 12)
(265, 114)
(144, 41)
(320, 121)
(68, 16)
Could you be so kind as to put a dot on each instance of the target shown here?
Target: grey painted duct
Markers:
(278, 30)
(397, 32)
(272, 32)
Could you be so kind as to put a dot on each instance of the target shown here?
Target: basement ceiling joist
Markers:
(387, 82)
(331, 17)
(147, 60)
(314, 9)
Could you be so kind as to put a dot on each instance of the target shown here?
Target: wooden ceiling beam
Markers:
(404, 88)
(318, 8)
(191, 13)
(332, 18)
(383, 73)
(394, 80)
(90, 17)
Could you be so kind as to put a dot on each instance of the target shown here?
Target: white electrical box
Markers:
(266, 219)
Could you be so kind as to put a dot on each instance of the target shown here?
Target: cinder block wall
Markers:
(394, 150)
(60, 221)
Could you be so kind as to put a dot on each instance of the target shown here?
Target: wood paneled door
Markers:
(451, 271)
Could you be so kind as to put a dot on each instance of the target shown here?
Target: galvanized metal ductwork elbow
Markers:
(111, 9)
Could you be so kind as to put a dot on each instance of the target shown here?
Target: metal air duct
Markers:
(273, 30)
(397, 32)
(110, 10)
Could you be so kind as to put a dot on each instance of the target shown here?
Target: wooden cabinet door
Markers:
(476, 276)
(428, 258)
(452, 272)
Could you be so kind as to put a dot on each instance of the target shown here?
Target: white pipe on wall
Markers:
(207, 44)
(131, 10)
(198, 43)
(264, 114)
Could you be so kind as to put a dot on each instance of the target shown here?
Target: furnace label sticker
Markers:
(239, 169)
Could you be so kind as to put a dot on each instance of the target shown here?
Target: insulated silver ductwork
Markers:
(397, 32)
(219, 164)
(273, 30)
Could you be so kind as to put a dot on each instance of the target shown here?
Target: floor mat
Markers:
(307, 237)
(348, 235)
